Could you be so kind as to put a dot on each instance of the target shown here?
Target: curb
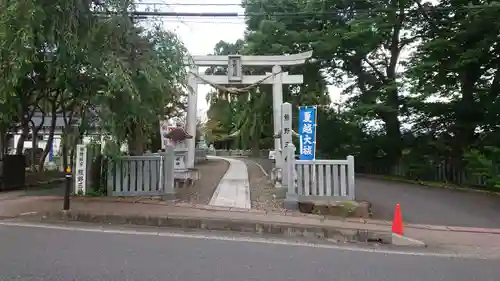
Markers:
(331, 234)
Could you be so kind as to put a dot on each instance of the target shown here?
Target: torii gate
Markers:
(235, 63)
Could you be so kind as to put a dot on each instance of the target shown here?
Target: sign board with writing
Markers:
(307, 132)
(286, 124)
(234, 68)
(81, 170)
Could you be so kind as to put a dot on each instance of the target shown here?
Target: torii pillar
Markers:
(235, 76)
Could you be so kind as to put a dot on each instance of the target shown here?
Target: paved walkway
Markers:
(233, 189)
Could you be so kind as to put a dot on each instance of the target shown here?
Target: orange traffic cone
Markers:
(397, 222)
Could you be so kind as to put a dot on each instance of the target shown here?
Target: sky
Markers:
(201, 34)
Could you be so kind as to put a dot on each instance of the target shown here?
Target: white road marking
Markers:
(28, 213)
(219, 237)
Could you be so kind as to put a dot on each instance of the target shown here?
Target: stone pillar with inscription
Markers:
(80, 171)
(286, 135)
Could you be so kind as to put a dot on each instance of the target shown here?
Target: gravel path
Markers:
(261, 189)
(211, 172)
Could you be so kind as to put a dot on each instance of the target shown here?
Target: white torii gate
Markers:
(235, 63)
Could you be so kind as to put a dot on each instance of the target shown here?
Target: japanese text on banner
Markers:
(307, 132)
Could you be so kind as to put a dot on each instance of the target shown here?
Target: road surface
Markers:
(38, 253)
(425, 205)
(430, 205)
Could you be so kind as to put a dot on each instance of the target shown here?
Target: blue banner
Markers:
(51, 152)
(307, 132)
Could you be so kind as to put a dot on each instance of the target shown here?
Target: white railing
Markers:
(147, 175)
(329, 179)
(325, 178)
(200, 155)
(238, 152)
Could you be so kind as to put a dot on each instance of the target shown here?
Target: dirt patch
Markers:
(262, 191)
(211, 172)
(336, 209)
(34, 179)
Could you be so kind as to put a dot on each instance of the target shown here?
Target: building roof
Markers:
(38, 118)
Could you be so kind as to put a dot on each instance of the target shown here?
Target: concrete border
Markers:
(260, 166)
(331, 234)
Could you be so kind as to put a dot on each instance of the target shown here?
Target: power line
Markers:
(173, 14)
(200, 21)
(246, 4)
(294, 14)
(179, 18)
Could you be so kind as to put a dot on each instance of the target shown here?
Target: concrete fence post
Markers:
(291, 199)
(284, 171)
(351, 178)
(168, 170)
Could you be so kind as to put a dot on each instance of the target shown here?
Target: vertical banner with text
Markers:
(307, 132)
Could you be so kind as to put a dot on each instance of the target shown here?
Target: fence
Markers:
(318, 179)
(239, 152)
(148, 175)
(443, 171)
(201, 155)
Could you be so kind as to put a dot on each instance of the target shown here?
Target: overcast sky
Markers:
(201, 34)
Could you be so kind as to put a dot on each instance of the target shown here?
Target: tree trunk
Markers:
(255, 145)
(4, 143)
(50, 141)
(64, 147)
(136, 140)
(34, 141)
(24, 134)
(34, 146)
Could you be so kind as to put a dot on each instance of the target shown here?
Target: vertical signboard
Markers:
(286, 124)
(81, 169)
(286, 138)
(307, 132)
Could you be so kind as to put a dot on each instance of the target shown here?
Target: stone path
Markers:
(211, 172)
(262, 190)
(233, 189)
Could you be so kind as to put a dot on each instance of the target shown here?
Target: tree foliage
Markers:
(91, 63)
(421, 81)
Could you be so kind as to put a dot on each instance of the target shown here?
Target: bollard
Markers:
(67, 189)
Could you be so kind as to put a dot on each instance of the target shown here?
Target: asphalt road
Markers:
(430, 205)
(425, 205)
(57, 254)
